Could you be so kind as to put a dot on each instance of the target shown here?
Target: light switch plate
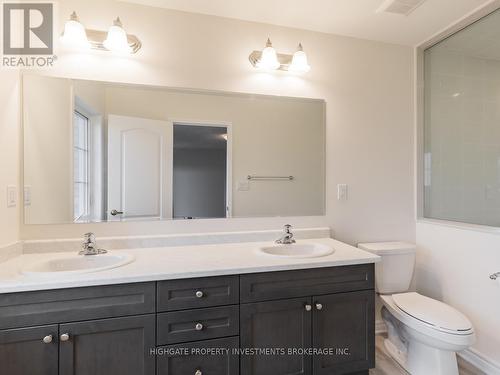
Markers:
(342, 192)
(11, 196)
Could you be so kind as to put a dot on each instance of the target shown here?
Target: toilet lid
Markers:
(433, 312)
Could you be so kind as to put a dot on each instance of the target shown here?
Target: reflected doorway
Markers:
(201, 171)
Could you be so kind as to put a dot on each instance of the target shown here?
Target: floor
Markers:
(387, 366)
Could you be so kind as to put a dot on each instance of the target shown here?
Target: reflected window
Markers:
(81, 185)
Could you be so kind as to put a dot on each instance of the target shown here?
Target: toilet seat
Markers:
(420, 325)
(439, 315)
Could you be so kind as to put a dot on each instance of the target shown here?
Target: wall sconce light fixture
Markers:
(116, 39)
(268, 59)
(74, 34)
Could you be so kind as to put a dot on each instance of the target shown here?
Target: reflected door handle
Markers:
(115, 212)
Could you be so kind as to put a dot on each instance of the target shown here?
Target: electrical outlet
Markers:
(11, 196)
(342, 192)
(243, 186)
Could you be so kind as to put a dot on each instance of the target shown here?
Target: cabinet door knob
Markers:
(199, 294)
(319, 306)
(47, 339)
(308, 307)
(64, 337)
(198, 326)
(198, 372)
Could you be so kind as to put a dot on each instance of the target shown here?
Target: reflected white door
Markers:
(139, 168)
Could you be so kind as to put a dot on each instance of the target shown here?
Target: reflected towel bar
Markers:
(250, 177)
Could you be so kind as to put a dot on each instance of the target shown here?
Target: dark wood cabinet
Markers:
(197, 325)
(276, 325)
(195, 293)
(344, 323)
(27, 309)
(304, 283)
(340, 327)
(29, 351)
(262, 324)
(119, 346)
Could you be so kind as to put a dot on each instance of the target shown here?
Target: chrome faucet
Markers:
(287, 237)
(89, 245)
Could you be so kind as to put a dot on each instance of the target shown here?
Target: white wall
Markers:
(453, 265)
(48, 154)
(367, 86)
(9, 151)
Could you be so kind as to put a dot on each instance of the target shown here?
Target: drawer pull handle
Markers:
(198, 372)
(47, 339)
(308, 307)
(199, 294)
(64, 337)
(319, 306)
(198, 326)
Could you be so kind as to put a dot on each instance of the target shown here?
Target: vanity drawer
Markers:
(196, 358)
(199, 324)
(302, 283)
(195, 293)
(75, 304)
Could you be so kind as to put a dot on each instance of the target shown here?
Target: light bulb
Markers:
(117, 40)
(269, 58)
(299, 62)
(74, 34)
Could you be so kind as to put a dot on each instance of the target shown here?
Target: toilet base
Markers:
(421, 359)
(395, 353)
(424, 360)
(417, 353)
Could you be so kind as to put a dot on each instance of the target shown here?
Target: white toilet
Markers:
(423, 334)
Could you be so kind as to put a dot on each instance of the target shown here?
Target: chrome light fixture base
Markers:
(284, 60)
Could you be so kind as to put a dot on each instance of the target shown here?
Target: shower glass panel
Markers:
(462, 125)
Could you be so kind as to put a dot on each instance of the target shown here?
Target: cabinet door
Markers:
(345, 324)
(29, 351)
(280, 326)
(120, 346)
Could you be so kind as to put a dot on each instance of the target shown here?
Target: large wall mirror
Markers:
(98, 151)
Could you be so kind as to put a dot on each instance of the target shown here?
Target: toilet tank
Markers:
(393, 274)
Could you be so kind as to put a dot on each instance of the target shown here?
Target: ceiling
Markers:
(356, 18)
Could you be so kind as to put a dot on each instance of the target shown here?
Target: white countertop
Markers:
(179, 262)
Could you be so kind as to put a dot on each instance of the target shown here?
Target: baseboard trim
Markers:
(480, 362)
(380, 327)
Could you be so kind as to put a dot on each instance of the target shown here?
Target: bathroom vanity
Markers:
(298, 316)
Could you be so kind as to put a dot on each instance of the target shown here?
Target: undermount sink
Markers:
(77, 264)
(306, 250)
